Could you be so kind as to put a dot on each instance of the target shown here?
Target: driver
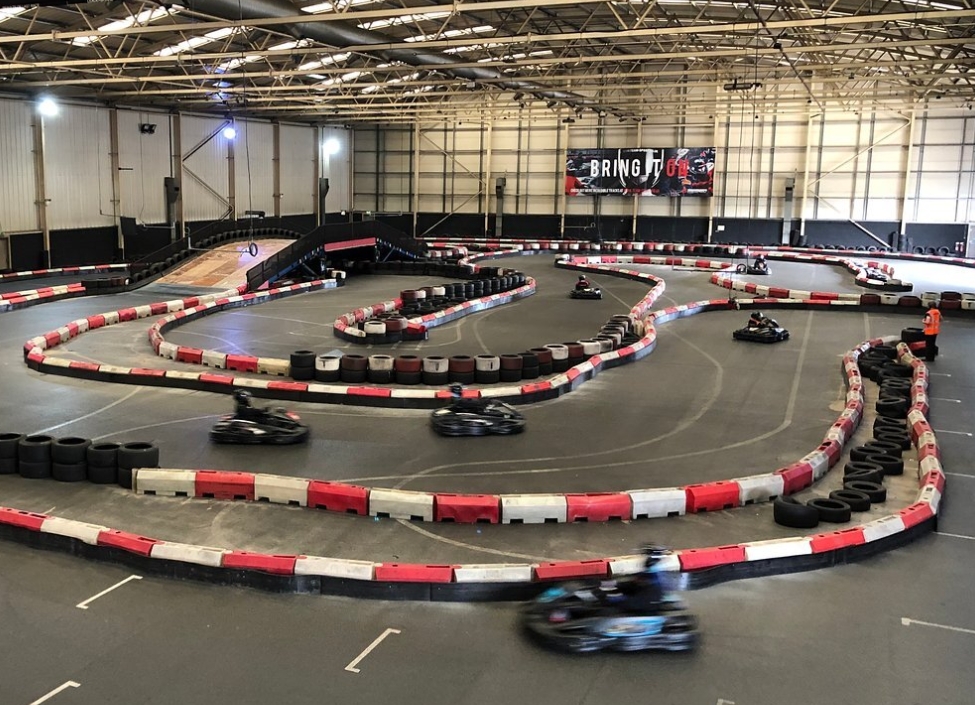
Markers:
(758, 320)
(582, 283)
(760, 263)
(460, 401)
(243, 408)
(645, 592)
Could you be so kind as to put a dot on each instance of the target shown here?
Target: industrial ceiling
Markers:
(369, 61)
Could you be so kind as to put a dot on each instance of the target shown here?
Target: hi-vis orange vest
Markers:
(932, 322)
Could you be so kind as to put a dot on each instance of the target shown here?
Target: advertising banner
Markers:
(640, 171)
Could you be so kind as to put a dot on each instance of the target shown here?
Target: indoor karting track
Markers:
(701, 407)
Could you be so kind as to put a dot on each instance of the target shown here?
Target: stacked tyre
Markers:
(407, 369)
(327, 368)
(560, 356)
(303, 365)
(511, 366)
(487, 369)
(380, 369)
(436, 370)
(69, 459)
(462, 369)
(102, 461)
(352, 369)
(34, 457)
(135, 455)
(8, 452)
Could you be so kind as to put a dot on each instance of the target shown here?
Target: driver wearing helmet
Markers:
(759, 320)
(243, 408)
(645, 592)
(760, 263)
(460, 401)
(582, 283)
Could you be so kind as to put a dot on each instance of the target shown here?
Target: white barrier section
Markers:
(759, 488)
(533, 508)
(627, 565)
(493, 573)
(778, 548)
(75, 529)
(401, 504)
(662, 502)
(885, 526)
(165, 483)
(186, 553)
(334, 567)
(281, 490)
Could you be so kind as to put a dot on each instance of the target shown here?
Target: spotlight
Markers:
(229, 132)
(47, 107)
(331, 146)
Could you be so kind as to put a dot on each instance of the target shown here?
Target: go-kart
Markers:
(589, 292)
(581, 617)
(768, 331)
(253, 425)
(477, 417)
(754, 268)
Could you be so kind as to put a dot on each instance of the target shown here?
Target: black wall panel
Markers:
(83, 246)
(659, 229)
(27, 251)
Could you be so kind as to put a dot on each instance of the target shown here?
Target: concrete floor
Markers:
(830, 636)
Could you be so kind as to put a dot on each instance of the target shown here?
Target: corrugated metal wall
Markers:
(17, 209)
(254, 167)
(78, 168)
(298, 179)
(336, 160)
(144, 161)
(206, 182)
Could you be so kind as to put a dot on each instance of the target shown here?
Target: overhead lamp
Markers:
(229, 132)
(744, 86)
(568, 121)
(48, 107)
(147, 128)
(331, 146)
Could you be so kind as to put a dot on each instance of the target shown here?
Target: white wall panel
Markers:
(144, 161)
(299, 182)
(18, 211)
(78, 168)
(206, 190)
(336, 162)
(254, 167)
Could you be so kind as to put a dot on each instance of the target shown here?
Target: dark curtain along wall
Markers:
(84, 246)
(658, 229)
(27, 251)
(140, 240)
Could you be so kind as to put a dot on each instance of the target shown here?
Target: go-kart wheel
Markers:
(835, 511)
(741, 269)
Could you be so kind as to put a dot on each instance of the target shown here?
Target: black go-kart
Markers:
(768, 331)
(253, 425)
(754, 268)
(589, 292)
(581, 617)
(477, 417)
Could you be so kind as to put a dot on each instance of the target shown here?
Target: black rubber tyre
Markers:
(528, 372)
(303, 358)
(34, 471)
(887, 351)
(102, 475)
(901, 438)
(912, 335)
(352, 376)
(876, 492)
(409, 377)
(510, 375)
(858, 501)
(883, 448)
(885, 423)
(103, 455)
(896, 371)
(125, 478)
(892, 406)
(9, 443)
(890, 464)
(487, 376)
(860, 453)
(139, 454)
(35, 449)
(860, 466)
(69, 472)
(865, 476)
(790, 512)
(8, 466)
(70, 450)
(834, 511)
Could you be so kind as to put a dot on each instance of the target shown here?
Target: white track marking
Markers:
(352, 666)
(461, 544)
(938, 374)
(954, 401)
(93, 413)
(956, 433)
(84, 605)
(955, 536)
(960, 474)
(907, 621)
(63, 686)
(722, 701)
(156, 425)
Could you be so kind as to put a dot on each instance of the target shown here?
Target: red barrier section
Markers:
(467, 508)
(597, 567)
(244, 560)
(934, 478)
(371, 391)
(833, 451)
(336, 497)
(160, 308)
(915, 514)
(147, 372)
(127, 314)
(96, 321)
(712, 496)
(700, 558)
(81, 365)
(213, 378)
(928, 450)
(288, 386)
(193, 355)
(133, 543)
(795, 477)
(598, 506)
(242, 363)
(414, 573)
(220, 484)
(17, 517)
(778, 293)
(823, 543)
(53, 338)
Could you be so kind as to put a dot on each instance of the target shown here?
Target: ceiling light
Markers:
(229, 132)
(47, 107)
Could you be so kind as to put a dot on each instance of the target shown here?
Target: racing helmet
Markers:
(582, 277)
(242, 396)
(653, 553)
(757, 315)
(456, 389)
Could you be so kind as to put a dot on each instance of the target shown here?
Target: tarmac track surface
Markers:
(829, 636)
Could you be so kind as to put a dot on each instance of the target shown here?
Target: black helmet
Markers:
(582, 276)
(653, 553)
(457, 389)
(757, 314)
(242, 396)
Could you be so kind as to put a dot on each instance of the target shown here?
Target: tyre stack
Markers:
(102, 461)
(352, 369)
(546, 364)
(380, 369)
(511, 366)
(9, 443)
(139, 454)
(436, 370)
(407, 369)
(69, 459)
(303, 365)
(375, 331)
(461, 368)
(327, 368)
(560, 356)
(529, 365)
(487, 369)
(34, 457)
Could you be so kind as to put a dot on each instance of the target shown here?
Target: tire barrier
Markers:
(74, 459)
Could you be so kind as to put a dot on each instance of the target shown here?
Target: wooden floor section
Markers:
(223, 267)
